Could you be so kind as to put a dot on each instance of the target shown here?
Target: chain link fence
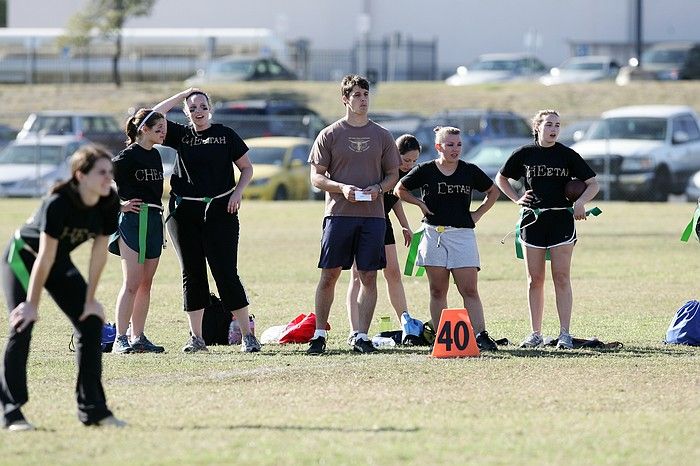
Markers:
(394, 58)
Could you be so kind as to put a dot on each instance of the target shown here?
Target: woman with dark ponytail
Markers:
(138, 173)
(38, 256)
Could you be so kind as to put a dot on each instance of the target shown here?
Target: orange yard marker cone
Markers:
(455, 335)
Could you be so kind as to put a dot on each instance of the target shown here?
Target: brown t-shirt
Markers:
(360, 156)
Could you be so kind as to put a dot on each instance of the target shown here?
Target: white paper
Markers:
(360, 196)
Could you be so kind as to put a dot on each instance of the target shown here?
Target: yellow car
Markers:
(280, 166)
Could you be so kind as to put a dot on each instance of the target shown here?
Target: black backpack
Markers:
(215, 322)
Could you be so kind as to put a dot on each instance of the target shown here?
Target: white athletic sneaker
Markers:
(532, 341)
(565, 341)
(20, 426)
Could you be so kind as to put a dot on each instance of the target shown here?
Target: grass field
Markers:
(637, 405)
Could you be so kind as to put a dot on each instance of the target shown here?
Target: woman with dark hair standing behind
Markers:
(409, 150)
(203, 220)
(82, 208)
(138, 173)
(547, 166)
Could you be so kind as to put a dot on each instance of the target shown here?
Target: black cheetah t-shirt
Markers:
(546, 171)
(138, 173)
(389, 199)
(70, 222)
(448, 197)
(204, 165)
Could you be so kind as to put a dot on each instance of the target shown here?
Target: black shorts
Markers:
(389, 233)
(552, 228)
(129, 231)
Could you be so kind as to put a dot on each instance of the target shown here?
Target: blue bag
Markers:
(685, 325)
(411, 329)
(109, 334)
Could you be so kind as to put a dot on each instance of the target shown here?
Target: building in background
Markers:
(32, 55)
(411, 39)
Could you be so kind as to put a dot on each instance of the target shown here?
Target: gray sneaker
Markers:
(121, 345)
(250, 344)
(565, 341)
(532, 341)
(351, 338)
(195, 345)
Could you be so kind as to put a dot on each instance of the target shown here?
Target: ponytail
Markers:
(130, 130)
(144, 117)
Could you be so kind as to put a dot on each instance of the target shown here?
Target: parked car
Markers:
(30, 166)
(97, 127)
(397, 123)
(7, 134)
(575, 131)
(491, 155)
(261, 118)
(280, 168)
(643, 152)
(498, 67)
(692, 190)
(582, 70)
(665, 61)
(476, 126)
(236, 68)
(168, 157)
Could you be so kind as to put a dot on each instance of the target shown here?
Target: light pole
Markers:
(638, 40)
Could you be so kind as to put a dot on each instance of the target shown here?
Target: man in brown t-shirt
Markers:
(355, 161)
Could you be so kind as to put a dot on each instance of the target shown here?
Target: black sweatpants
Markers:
(68, 288)
(213, 241)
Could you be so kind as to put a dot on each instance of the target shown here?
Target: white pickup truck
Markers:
(643, 152)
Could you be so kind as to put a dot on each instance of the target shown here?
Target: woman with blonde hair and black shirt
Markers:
(203, 220)
(448, 248)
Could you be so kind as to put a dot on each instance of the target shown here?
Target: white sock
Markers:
(319, 333)
(362, 336)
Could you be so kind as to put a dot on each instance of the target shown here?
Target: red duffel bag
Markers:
(300, 329)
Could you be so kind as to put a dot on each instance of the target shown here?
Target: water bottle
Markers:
(385, 324)
(251, 324)
(234, 333)
(383, 342)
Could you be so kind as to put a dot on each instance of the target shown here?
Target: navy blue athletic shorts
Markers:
(353, 239)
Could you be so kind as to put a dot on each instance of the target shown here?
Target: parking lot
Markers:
(401, 106)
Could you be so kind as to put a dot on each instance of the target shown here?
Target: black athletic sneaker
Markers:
(363, 346)
(485, 342)
(317, 346)
(144, 345)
